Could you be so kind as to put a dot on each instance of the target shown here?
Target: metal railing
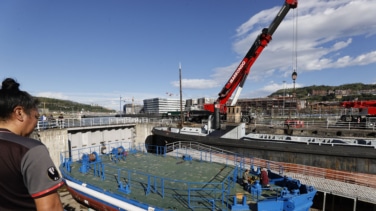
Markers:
(349, 184)
(366, 180)
(327, 122)
(89, 122)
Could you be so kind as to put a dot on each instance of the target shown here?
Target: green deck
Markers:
(168, 181)
(205, 177)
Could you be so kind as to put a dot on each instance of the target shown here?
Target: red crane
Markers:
(240, 75)
(365, 107)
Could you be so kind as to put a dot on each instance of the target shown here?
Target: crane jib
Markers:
(280, 11)
(238, 78)
(236, 73)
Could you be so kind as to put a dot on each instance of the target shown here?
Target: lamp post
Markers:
(283, 106)
(294, 75)
(181, 99)
(120, 107)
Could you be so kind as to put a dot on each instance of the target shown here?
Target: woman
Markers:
(245, 179)
(28, 178)
(264, 178)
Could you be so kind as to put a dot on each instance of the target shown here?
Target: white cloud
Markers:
(108, 100)
(56, 95)
(270, 88)
(196, 83)
(341, 44)
(326, 32)
(365, 59)
(257, 22)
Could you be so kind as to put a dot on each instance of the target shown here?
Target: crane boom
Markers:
(238, 78)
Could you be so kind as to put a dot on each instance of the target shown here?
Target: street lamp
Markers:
(294, 76)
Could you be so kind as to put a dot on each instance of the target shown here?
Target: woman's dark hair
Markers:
(11, 96)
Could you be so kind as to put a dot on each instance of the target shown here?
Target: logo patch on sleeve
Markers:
(53, 173)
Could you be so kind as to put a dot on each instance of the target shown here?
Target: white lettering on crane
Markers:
(237, 71)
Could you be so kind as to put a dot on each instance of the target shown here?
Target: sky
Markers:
(107, 52)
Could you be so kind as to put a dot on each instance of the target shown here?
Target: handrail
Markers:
(366, 180)
(344, 183)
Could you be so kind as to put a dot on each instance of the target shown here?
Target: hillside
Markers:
(67, 106)
(345, 92)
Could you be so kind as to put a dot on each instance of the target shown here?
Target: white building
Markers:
(162, 105)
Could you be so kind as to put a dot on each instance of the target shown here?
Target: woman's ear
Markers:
(19, 113)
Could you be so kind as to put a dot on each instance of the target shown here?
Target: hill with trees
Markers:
(67, 106)
(345, 92)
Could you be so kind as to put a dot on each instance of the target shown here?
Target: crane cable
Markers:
(294, 56)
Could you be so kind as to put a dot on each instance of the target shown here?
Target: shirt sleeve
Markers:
(39, 172)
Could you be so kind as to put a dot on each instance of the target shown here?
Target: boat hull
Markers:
(312, 154)
(97, 199)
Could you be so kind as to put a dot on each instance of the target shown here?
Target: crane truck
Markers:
(239, 77)
(363, 113)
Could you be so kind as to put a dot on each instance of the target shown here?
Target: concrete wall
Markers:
(237, 132)
(56, 140)
(86, 137)
(143, 131)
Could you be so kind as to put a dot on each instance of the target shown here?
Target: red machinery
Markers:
(239, 76)
(294, 123)
(366, 107)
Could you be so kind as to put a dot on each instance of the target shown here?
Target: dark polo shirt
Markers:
(26, 172)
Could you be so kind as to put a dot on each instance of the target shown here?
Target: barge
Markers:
(177, 176)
